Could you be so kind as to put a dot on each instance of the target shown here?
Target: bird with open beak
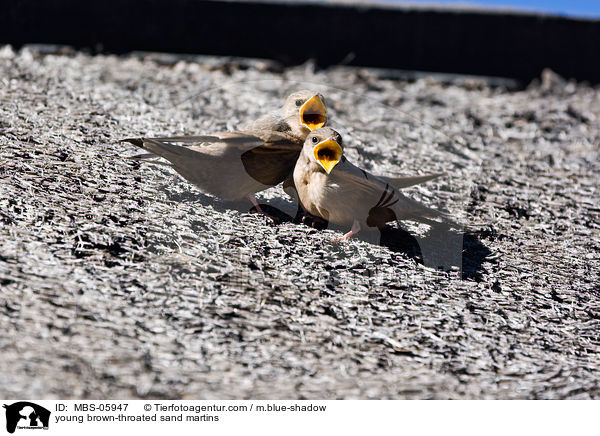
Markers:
(331, 187)
(236, 165)
(302, 112)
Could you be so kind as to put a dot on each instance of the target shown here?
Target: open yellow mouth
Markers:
(313, 113)
(328, 154)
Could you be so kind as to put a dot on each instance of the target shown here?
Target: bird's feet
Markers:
(343, 238)
(272, 214)
(258, 209)
(272, 219)
(316, 222)
(310, 220)
(353, 231)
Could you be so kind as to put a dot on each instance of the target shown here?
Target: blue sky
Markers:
(579, 8)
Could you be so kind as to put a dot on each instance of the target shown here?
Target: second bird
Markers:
(331, 187)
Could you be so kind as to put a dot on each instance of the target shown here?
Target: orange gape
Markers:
(313, 113)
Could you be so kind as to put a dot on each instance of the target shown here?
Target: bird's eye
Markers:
(315, 139)
(298, 103)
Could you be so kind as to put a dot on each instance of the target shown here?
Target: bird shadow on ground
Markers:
(441, 248)
(273, 215)
(474, 254)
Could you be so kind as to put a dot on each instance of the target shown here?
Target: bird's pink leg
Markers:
(254, 201)
(273, 219)
(353, 231)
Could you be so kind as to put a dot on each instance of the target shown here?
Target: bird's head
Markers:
(324, 147)
(304, 111)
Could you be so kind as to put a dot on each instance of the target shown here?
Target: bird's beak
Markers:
(312, 113)
(328, 153)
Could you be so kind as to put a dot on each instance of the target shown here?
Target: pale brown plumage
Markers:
(229, 165)
(331, 187)
(234, 165)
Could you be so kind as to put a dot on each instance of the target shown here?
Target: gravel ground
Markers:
(120, 280)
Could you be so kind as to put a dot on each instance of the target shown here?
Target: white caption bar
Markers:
(307, 418)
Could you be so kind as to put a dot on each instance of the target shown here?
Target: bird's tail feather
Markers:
(149, 158)
(175, 154)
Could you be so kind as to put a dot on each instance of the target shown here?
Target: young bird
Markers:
(302, 112)
(236, 165)
(331, 187)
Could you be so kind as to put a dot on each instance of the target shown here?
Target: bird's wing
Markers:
(142, 156)
(267, 156)
(173, 153)
(190, 139)
(406, 181)
(273, 161)
(149, 158)
(242, 140)
(383, 199)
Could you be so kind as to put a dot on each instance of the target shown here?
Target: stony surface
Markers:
(121, 280)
